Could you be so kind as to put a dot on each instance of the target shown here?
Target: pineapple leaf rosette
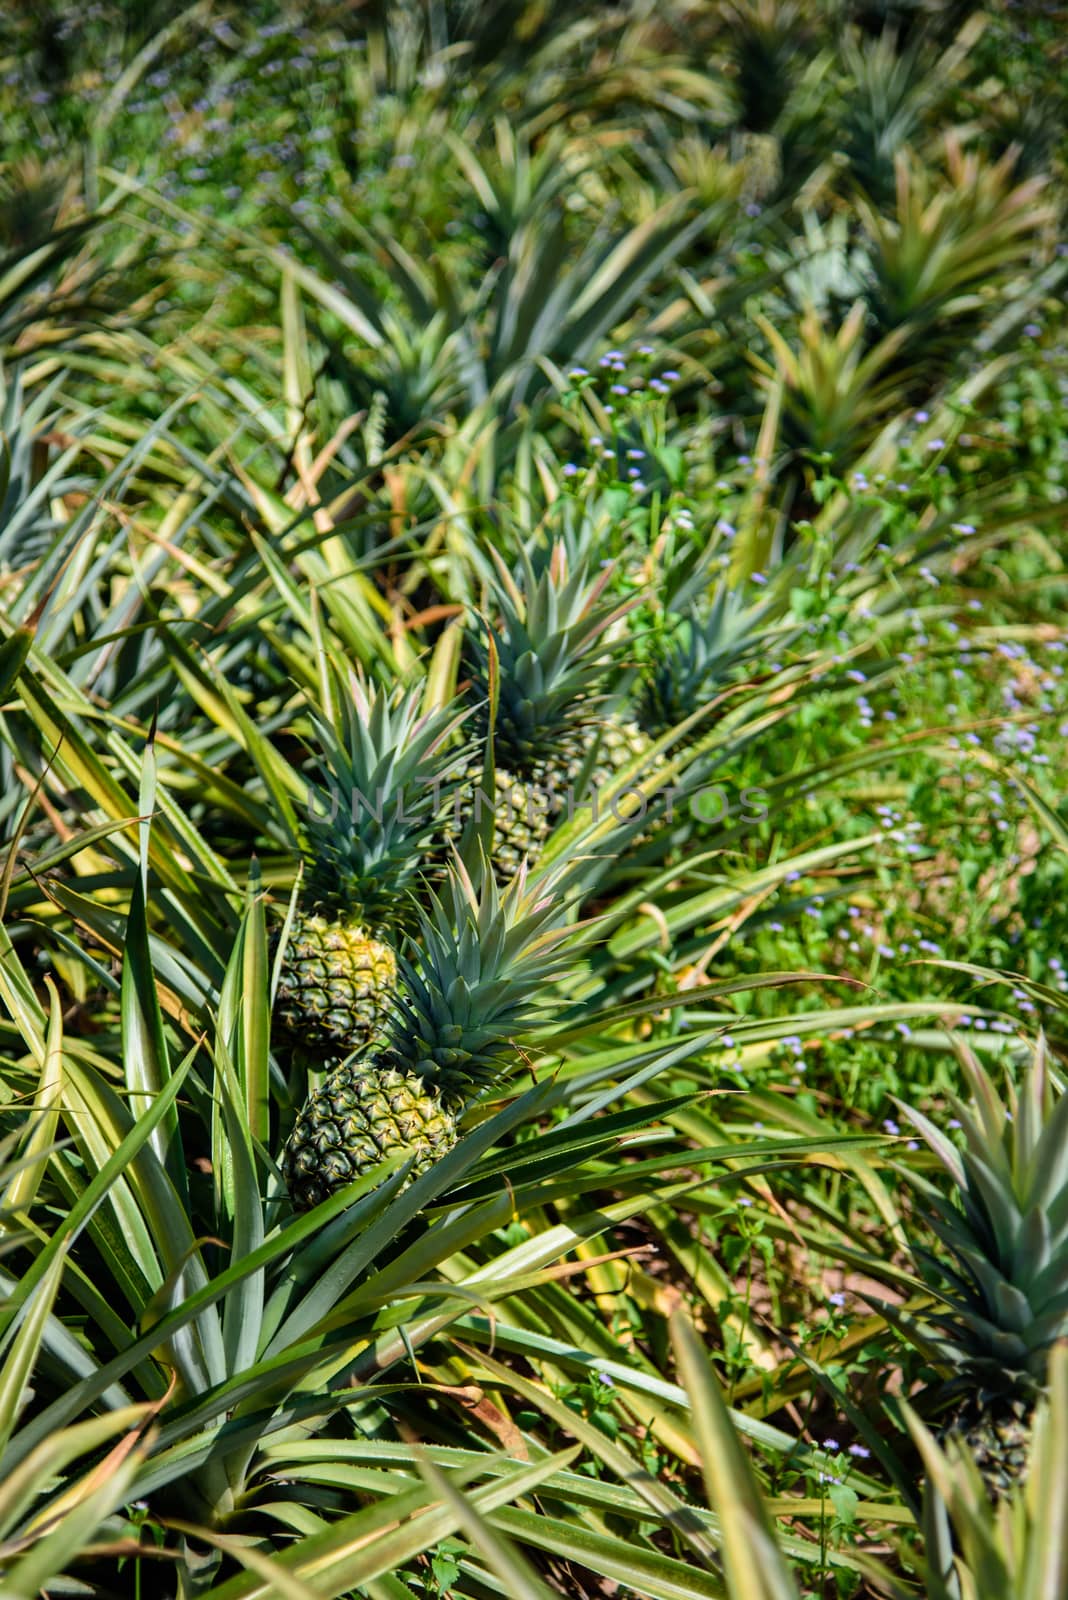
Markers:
(704, 646)
(1002, 1275)
(541, 669)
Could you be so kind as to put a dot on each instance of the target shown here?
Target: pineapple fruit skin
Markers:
(336, 985)
(485, 958)
(527, 808)
(620, 742)
(358, 1116)
(523, 816)
(997, 1432)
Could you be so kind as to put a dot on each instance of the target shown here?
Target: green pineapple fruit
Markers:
(523, 815)
(365, 834)
(484, 961)
(526, 811)
(1004, 1286)
(614, 743)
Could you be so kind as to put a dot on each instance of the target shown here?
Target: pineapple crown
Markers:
(539, 660)
(705, 644)
(386, 769)
(1005, 1284)
(486, 956)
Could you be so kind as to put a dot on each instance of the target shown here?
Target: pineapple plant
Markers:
(705, 643)
(1002, 1282)
(539, 675)
(383, 772)
(484, 957)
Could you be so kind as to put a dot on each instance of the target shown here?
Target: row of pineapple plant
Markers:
(408, 1043)
(1005, 1370)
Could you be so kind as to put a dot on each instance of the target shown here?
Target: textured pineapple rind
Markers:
(336, 986)
(359, 1115)
(997, 1433)
(526, 809)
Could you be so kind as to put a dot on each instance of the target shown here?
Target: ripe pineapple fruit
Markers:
(382, 798)
(1003, 1286)
(546, 661)
(359, 1115)
(335, 984)
(484, 958)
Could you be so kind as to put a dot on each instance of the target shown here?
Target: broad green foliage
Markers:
(533, 908)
